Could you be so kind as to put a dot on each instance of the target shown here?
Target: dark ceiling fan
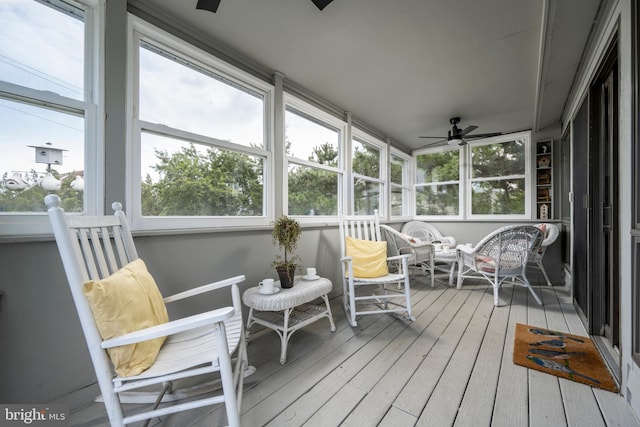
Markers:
(212, 5)
(459, 136)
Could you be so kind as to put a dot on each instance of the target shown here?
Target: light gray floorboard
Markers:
(452, 366)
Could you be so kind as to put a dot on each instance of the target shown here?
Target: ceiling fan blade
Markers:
(467, 130)
(321, 4)
(433, 137)
(435, 144)
(210, 5)
(483, 135)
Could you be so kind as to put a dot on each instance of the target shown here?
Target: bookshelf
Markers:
(544, 179)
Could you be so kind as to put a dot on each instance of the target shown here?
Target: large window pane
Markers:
(438, 167)
(42, 47)
(182, 97)
(21, 128)
(437, 199)
(497, 185)
(187, 179)
(503, 159)
(366, 197)
(365, 159)
(398, 168)
(308, 139)
(498, 197)
(400, 186)
(438, 185)
(312, 191)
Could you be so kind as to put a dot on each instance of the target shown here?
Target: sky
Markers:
(46, 59)
(43, 49)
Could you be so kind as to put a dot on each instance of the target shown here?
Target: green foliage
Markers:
(31, 199)
(211, 183)
(501, 196)
(314, 191)
(286, 234)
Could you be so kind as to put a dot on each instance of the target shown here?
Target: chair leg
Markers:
(226, 376)
(544, 272)
(407, 295)
(533, 292)
(496, 291)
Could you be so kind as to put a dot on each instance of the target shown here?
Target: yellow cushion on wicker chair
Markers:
(369, 258)
(127, 301)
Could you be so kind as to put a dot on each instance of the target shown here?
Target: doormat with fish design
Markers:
(564, 355)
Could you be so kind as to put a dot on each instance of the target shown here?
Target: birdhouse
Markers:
(48, 154)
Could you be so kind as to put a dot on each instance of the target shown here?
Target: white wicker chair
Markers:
(362, 296)
(551, 233)
(421, 252)
(95, 247)
(501, 256)
(426, 233)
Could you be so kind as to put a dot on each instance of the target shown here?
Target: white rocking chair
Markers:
(374, 294)
(93, 248)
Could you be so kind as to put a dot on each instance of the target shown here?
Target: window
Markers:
(200, 138)
(498, 178)
(313, 142)
(48, 109)
(368, 156)
(400, 184)
(486, 179)
(438, 183)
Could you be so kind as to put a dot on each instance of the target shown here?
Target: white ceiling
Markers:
(406, 66)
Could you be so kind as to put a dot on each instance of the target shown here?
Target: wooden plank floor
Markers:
(452, 366)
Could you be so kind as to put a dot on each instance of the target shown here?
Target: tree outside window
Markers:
(498, 178)
(438, 183)
(367, 185)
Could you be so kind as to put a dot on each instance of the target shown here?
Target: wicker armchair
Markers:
(421, 252)
(501, 256)
(426, 233)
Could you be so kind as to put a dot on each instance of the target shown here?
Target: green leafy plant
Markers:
(286, 233)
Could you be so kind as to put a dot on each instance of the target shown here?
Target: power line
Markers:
(42, 75)
(42, 118)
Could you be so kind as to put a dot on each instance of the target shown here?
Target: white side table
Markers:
(289, 309)
(446, 256)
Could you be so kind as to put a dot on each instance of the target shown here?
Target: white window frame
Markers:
(526, 137)
(465, 180)
(140, 30)
(406, 187)
(315, 114)
(460, 182)
(91, 107)
(364, 138)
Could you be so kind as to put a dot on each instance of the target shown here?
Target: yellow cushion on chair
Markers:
(127, 301)
(369, 258)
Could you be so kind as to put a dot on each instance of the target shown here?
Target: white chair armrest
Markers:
(465, 249)
(398, 257)
(170, 328)
(205, 288)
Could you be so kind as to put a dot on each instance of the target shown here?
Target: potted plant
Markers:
(286, 233)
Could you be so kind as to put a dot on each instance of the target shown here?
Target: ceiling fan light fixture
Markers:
(454, 141)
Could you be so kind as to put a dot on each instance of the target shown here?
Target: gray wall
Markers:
(43, 355)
